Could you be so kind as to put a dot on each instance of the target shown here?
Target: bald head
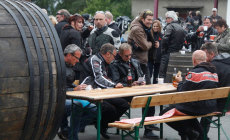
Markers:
(198, 57)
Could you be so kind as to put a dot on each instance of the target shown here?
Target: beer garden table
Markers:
(98, 96)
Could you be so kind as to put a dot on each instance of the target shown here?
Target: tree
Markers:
(116, 7)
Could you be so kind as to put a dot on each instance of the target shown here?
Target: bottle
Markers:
(174, 78)
(129, 78)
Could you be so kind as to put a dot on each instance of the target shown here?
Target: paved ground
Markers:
(169, 134)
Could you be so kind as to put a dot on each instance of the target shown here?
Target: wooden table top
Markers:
(100, 94)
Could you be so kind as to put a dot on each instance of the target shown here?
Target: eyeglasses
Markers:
(58, 13)
(112, 54)
(128, 55)
(75, 57)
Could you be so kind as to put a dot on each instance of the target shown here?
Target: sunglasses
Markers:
(59, 14)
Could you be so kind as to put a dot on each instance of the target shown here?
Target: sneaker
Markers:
(63, 135)
(152, 127)
(150, 135)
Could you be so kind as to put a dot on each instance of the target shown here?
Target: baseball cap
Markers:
(214, 9)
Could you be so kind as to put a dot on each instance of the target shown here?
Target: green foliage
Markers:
(116, 7)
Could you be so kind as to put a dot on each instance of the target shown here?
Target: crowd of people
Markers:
(95, 56)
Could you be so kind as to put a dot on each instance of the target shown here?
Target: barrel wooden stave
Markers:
(15, 76)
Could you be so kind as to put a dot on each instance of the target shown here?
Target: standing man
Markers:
(222, 63)
(111, 23)
(102, 34)
(97, 68)
(172, 40)
(215, 17)
(141, 40)
(202, 76)
(200, 36)
(62, 17)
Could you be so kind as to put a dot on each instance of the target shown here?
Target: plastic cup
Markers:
(205, 28)
(212, 37)
(160, 80)
(182, 52)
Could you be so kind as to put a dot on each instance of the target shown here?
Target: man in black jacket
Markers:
(72, 54)
(119, 68)
(119, 73)
(62, 18)
(201, 36)
(111, 23)
(222, 63)
(102, 34)
(97, 69)
(202, 76)
(172, 40)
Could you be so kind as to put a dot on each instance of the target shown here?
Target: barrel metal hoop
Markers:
(49, 67)
(60, 67)
(41, 72)
(30, 63)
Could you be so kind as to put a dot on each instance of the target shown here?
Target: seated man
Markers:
(72, 54)
(96, 67)
(202, 76)
(120, 69)
(222, 63)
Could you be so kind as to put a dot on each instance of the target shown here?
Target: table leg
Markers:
(71, 120)
(98, 120)
(161, 124)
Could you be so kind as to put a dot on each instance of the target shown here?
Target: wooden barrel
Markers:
(32, 73)
(182, 62)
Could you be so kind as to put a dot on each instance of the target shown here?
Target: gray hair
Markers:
(72, 48)
(210, 48)
(172, 14)
(108, 15)
(107, 48)
(123, 47)
(65, 13)
(99, 12)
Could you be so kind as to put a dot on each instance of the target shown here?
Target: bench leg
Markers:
(137, 137)
(218, 128)
(122, 135)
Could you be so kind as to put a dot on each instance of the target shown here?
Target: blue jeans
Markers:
(79, 119)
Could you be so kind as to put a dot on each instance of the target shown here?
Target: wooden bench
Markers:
(173, 98)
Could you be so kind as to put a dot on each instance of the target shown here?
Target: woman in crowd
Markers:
(155, 54)
(72, 33)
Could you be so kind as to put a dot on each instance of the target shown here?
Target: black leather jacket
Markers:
(173, 38)
(96, 72)
(222, 63)
(70, 78)
(119, 70)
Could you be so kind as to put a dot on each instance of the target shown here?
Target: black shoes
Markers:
(152, 127)
(63, 135)
(104, 134)
(150, 135)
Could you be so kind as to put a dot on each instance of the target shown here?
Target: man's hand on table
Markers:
(119, 85)
(80, 87)
(136, 83)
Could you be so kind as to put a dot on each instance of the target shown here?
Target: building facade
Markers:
(181, 6)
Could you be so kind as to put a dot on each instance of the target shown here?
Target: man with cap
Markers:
(214, 15)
